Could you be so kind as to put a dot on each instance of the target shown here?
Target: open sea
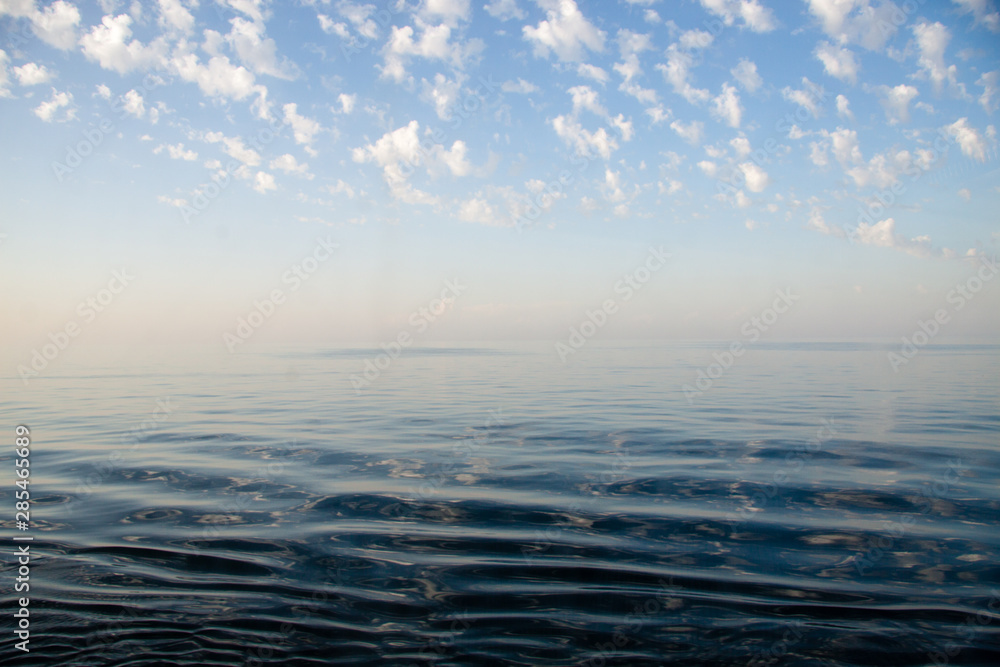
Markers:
(489, 504)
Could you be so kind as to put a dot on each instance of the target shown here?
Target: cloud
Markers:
(434, 44)
(565, 32)
(331, 27)
(726, 106)
(4, 76)
(340, 187)
(932, 40)
(809, 97)
(746, 75)
(134, 104)
(896, 102)
(347, 102)
(443, 94)
(257, 51)
(449, 10)
(989, 82)
(676, 72)
(569, 129)
(220, 78)
(263, 182)
(520, 86)
(304, 129)
(983, 10)
(691, 132)
(47, 111)
(174, 15)
(177, 152)
(844, 108)
(235, 148)
(106, 43)
(585, 97)
(756, 178)
(31, 74)
(592, 72)
(838, 61)
(754, 16)
(857, 21)
(504, 10)
(56, 24)
(969, 140)
(289, 165)
(883, 234)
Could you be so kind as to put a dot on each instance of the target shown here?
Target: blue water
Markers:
(488, 504)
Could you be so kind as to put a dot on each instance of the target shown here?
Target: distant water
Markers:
(491, 505)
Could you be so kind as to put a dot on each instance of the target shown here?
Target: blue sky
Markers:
(533, 149)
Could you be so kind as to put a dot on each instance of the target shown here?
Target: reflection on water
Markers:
(491, 505)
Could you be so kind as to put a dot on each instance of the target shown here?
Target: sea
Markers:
(629, 503)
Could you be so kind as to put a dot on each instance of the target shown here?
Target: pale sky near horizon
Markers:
(534, 150)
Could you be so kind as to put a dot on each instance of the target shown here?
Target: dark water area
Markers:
(491, 505)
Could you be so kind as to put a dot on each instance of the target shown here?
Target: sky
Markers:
(509, 167)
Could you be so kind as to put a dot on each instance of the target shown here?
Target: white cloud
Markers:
(56, 24)
(304, 129)
(658, 114)
(754, 16)
(220, 78)
(709, 168)
(972, 143)
(257, 51)
(756, 178)
(434, 44)
(883, 234)
(32, 74)
(391, 152)
(173, 14)
(838, 61)
(965, 194)
(134, 104)
(255, 9)
(504, 10)
(178, 152)
(565, 32)
(989, 81)
(726, 106)
(347, 102)
(4, 76)
(592, 72)
(171, 201)
(844, 108)
(106, 43)
(983, 10)
(691, 132)
(808, 97)
(263, 182)
(585, 97)
(676, 71)
(47, 110)
(235, 148)
(448, 10)
(932, 40)
(583, 141)
(443, 94)
(896, 102)
(857, 21)
(17, 8)
(340, 187)
(289, 165)
(478, 210)
(331, 27)
(520, 86)
(746, 75)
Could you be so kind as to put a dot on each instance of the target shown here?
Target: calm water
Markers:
(490, 505)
